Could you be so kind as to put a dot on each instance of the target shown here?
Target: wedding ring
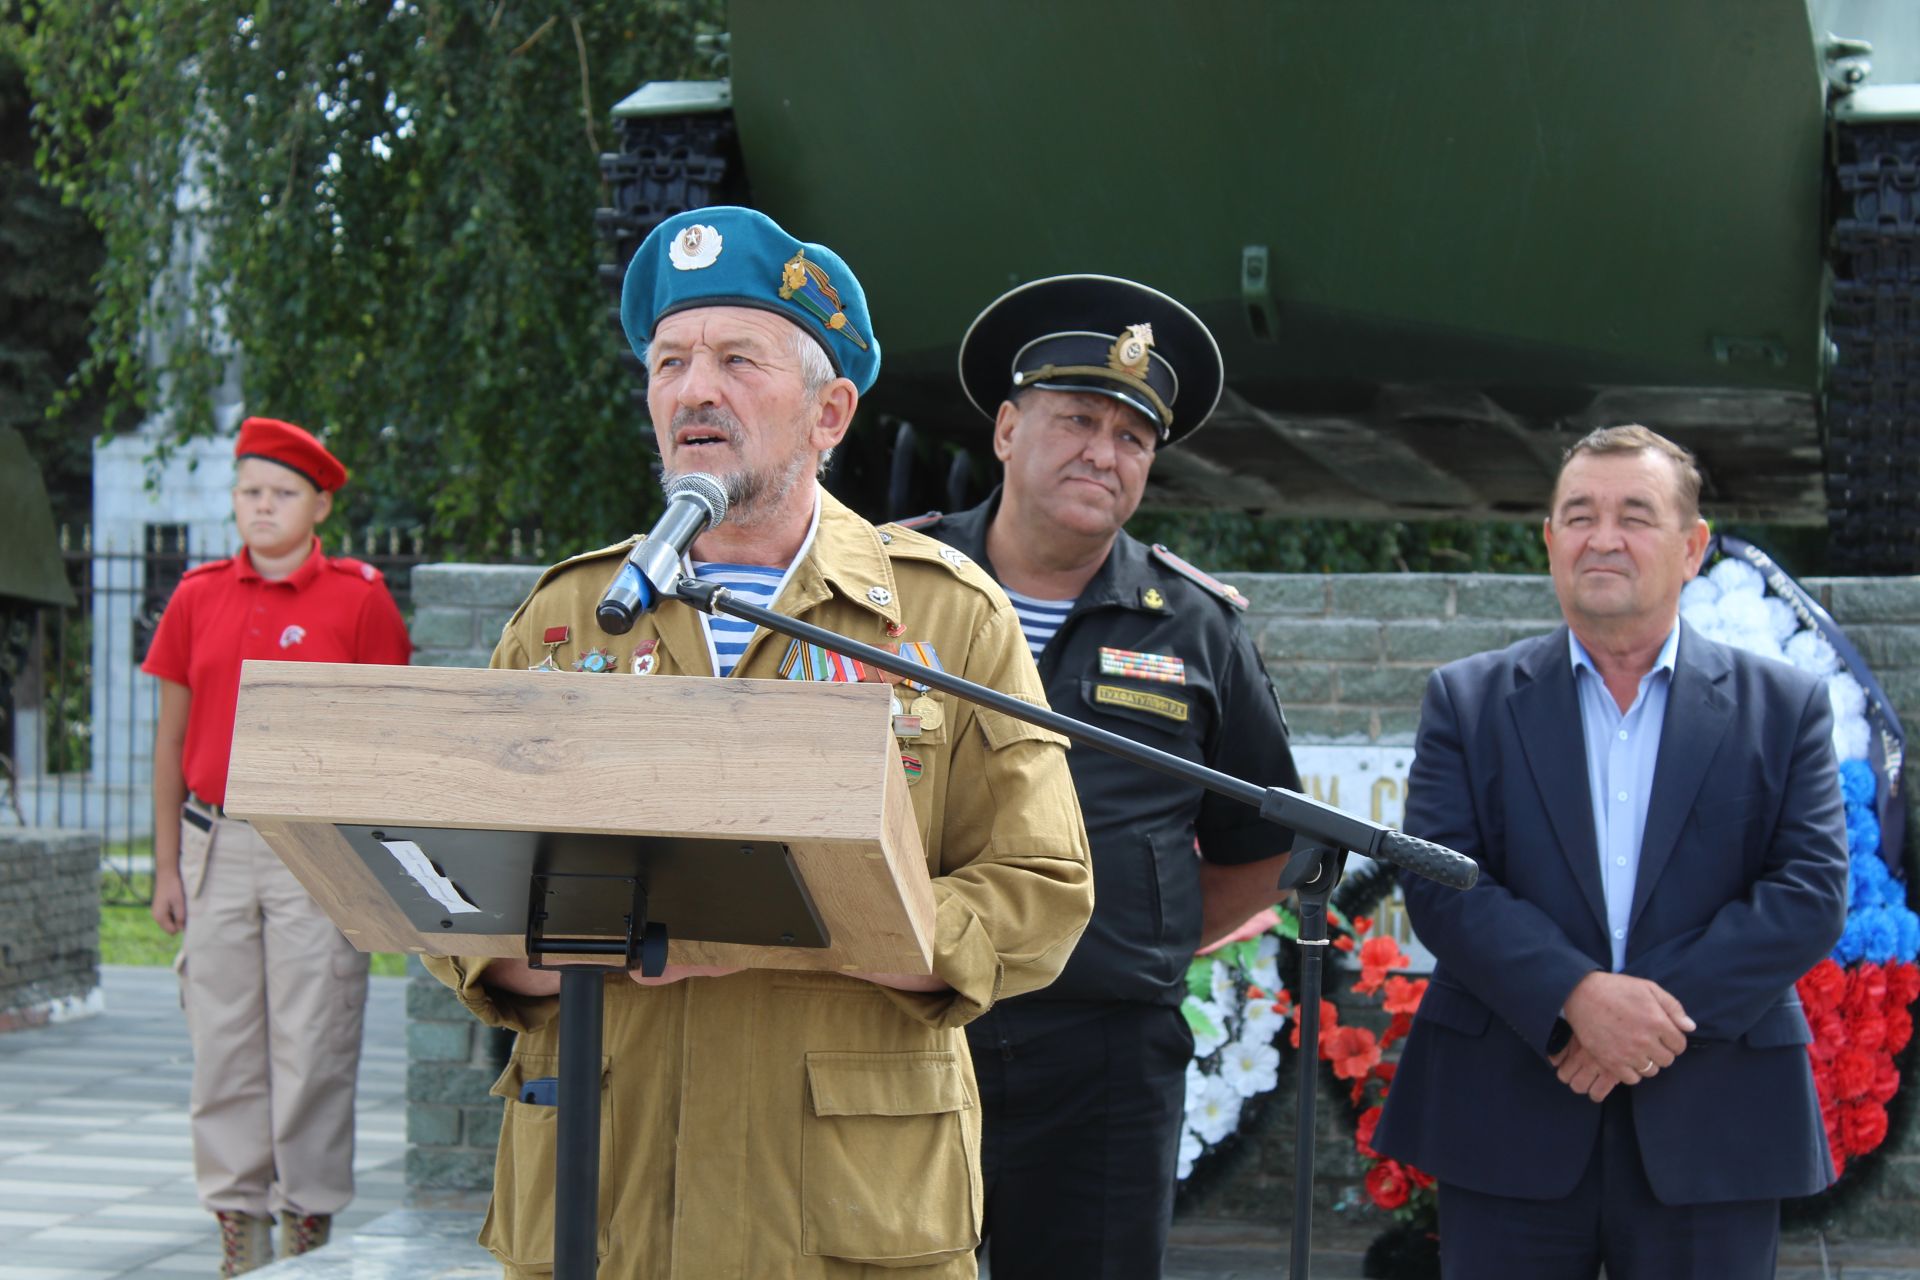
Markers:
(1648, 1069)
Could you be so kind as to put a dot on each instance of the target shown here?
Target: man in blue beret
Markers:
(800, 1123)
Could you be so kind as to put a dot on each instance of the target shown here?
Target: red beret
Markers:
(291, 447)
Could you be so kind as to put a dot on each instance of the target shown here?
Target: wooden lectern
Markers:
(766, 823)
(588, 822)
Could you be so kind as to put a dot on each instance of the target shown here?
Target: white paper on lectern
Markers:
(414, 861)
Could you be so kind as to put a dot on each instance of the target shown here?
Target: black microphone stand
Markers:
(1326, 836)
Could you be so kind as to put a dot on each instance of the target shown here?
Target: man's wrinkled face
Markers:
(1618, 542)
(275, 507)
(1079, 460)
(728, 396)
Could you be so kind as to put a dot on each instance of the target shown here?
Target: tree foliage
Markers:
(388, 209)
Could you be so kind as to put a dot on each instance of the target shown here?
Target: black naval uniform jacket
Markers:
(1142, 825)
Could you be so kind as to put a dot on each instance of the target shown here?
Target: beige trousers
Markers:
(274, 998)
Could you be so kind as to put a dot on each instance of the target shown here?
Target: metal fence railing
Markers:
(77, 716)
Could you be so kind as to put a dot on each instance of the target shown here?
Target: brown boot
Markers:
(302, 1233)
(246, 1242)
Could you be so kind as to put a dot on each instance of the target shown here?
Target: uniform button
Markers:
(1619, 933)
(1623, 735)
(1621, 797)
(1619, 862)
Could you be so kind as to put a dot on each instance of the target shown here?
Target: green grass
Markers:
(128, 934)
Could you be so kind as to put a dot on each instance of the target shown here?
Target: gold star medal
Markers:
(553, 638)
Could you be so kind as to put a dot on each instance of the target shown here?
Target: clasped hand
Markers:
(1625, 1030)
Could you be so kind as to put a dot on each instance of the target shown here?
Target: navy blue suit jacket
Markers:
(1742, 887)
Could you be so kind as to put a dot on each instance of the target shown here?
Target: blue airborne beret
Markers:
(726, 256)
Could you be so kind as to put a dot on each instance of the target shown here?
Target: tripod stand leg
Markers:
(576, 1174)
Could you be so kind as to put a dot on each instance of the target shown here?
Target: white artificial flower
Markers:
(1785, 620)
(1268, 946)
(1265, 974)
(1700, 591)
(1704, 618)
(1218, 1113)
(1809, 651)
(1225, 985)
(1847, 697)
(1745, 615)
(1196, 1086)
(1251, 1067)
(1262, 1023)
(1851, 738)
(1736, 577)
(1204, 1044)
(1190, 1149)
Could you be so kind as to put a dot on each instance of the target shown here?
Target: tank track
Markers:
(665, 165)
(1872, 411)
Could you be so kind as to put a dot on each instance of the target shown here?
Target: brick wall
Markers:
(1350, 654)
(49, 926)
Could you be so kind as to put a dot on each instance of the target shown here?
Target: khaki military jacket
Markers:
(802, 1124)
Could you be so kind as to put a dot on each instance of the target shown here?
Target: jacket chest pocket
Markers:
(519, 1225)
(889, 1149)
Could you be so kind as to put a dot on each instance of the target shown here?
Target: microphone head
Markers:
(704, 489)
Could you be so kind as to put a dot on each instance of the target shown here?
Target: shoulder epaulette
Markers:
(357, 568)
(619, 548)
(911, 544)
(925, 520)
(208, 567)
(1200, 578)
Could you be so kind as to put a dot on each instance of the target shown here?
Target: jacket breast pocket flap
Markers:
(1721, 812)
(1455, 1010)
(1782, 1026)
(888, 1159)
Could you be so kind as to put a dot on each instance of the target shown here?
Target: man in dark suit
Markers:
(1609, 1065)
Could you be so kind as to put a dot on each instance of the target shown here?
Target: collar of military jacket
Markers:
(1126, 578)
(848, 559)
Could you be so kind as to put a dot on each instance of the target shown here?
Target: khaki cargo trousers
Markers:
(275, 998)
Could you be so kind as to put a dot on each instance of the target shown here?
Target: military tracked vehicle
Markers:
(1436, 242)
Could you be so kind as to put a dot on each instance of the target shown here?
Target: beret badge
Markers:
(695, 247)
(1129, 351)
(805, 283)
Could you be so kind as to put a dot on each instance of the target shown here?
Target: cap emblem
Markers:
(1129, 351)
(803, 282)
(695, 247)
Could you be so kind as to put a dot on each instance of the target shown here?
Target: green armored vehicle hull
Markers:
(1436, 242)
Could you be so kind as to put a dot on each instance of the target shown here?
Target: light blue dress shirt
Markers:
(1621, 753)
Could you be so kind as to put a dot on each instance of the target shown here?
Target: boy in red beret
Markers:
(274, 995)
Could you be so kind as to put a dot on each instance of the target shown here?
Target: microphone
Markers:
(652, 569)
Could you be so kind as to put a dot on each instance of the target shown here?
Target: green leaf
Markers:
(1200, 977)
(1198, 1020)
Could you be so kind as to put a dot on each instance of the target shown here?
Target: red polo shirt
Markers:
(224, 612)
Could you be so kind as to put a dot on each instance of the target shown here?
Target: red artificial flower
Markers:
(1866, 990)
(1852, 1074)
(1823, 985)
(1886, 1080)
(1354, 1052)
(1403, 995)
(1384, 1074)
(1388, 1185)
(1329, 1019)
(1398, 1028)
(1255, 993)
(1899, 1029)
(1362, 923)
(1863, 1126)
(1363, 1132)
(1283, 1005)
(1867, 1030)
(1421, 1178)
(1343, 943)
(1829, 1035)
(1903, 983)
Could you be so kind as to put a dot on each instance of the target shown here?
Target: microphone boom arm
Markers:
(1313, 822)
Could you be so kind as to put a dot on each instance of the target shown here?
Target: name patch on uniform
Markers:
(1143, 666)
(1140, 700)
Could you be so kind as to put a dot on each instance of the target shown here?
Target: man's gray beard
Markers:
(751, 495)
